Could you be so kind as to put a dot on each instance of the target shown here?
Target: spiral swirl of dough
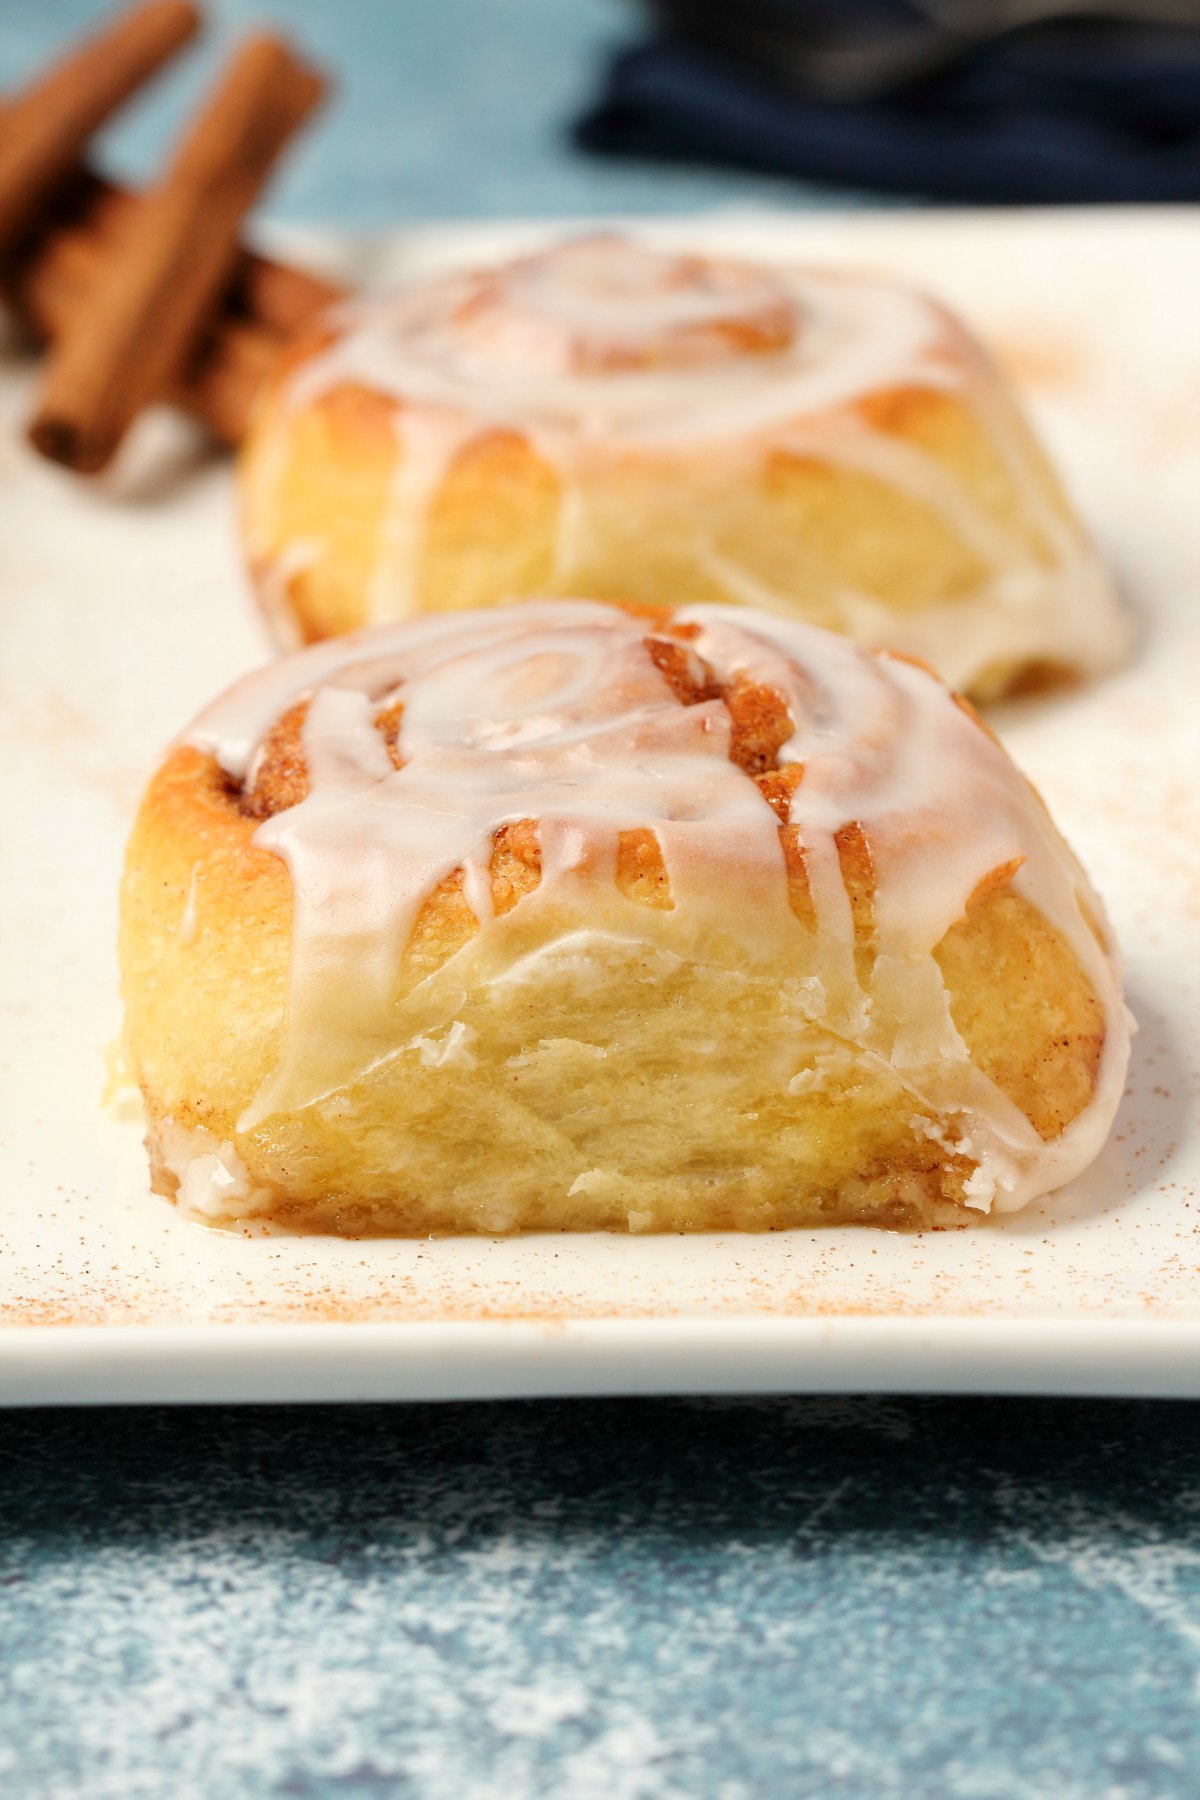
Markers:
(806, 806)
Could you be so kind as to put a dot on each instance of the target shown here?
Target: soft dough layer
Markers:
(598, 1018)
(603, 419)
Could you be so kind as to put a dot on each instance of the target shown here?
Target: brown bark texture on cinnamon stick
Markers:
(265, 303)
(43, 129)
(97, 212)
(225, 371)
(149, 304)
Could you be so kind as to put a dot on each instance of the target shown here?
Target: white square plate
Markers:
(123, 608)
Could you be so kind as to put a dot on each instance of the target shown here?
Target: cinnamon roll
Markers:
(568, 916)
(606, 419)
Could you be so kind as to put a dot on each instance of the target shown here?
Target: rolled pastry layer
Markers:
(571, 916)
(609, 420)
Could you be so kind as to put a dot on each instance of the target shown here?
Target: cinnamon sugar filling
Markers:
(760, 725)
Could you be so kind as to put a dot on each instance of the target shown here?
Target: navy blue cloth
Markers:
(1013, 123)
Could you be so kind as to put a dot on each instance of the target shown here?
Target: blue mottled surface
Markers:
(621, 1600)
(446, 108)
(629, 1601)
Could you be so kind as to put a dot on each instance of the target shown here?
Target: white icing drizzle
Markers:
(555, 711)
(431, 442)
(187, 919)
(213, 1182)
(605, 345)
(274, 577)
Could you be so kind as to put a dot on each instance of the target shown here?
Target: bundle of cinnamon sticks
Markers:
(151, 296)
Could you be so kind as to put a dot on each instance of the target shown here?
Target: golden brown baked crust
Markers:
(562, 1069)
(889, 488)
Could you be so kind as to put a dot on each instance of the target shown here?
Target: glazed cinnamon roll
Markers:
(566, 916)
(605, 419)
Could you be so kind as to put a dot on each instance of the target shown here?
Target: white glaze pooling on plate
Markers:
(555, 711)
(603, 346)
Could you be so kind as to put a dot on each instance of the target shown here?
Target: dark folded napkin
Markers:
(1106, 111)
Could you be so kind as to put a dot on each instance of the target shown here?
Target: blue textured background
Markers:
(608, 1601)
(633, 1601)
(444, 108)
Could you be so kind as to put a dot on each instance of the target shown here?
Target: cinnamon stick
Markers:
(148, 305)
(97, 211)
(44, 128)
(224, 375)
(267, 302)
